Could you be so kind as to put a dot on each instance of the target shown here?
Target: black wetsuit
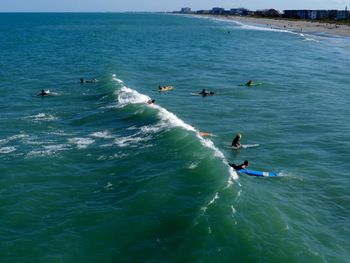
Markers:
(238, 167)
(236, 143)
(203, 93)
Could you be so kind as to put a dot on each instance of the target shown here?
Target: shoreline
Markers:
(300, 26)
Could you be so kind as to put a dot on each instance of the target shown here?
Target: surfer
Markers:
(204, 93)
(151, 101)
(240, 166)
(250, 83)
(236, 143)
(43, 93)
(165, 88)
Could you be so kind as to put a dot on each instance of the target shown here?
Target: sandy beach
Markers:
(294, 25)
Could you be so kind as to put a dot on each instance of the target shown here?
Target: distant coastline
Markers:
(289, 24)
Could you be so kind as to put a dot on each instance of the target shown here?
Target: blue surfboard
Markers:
(257, 173)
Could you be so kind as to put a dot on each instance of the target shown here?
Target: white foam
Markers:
(5, 150)
(152, 128)
(132, 128)
(42, 117)
(102, 134)
(193, 165)
(81, 143)
(214, 199)
(233, 210)
(261, 28)
(114, 77)
(109, 186)
(204, 209)
(112, 157)
(14, 137)
(48, 150)
(128, 96)
(57, 147)
(253, 26)
(170, 119)
(132, 140)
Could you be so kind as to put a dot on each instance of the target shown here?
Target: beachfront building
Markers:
(322, 14)
(332, 14)
(300, 14)
(290, 13)
(312, 14)
(317, 14)
(185, 10)
(239, 11)
(342, 14)
(217, 11)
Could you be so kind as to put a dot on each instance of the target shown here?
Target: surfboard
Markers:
(244, 146)
(205, 134)
(251, 85)
(197, 94)
(258, 173)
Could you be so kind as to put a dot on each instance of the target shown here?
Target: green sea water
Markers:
(92, 173)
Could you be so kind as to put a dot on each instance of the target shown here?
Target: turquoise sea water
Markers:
(95, 174)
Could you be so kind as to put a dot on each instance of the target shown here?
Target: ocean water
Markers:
(95, 174)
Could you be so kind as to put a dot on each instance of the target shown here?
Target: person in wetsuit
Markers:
(43, 93)
(250, 83)
(239, 166)
(236, 144)
(203, 93)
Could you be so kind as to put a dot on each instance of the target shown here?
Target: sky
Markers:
(161, 5)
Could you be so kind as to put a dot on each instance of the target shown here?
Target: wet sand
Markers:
(293, 25)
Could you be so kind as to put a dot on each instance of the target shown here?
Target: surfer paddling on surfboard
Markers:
(242, 168)
(238, 167)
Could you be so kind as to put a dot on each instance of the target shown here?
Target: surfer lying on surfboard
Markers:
(165, 88)
(242, 168)
(238, 167)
